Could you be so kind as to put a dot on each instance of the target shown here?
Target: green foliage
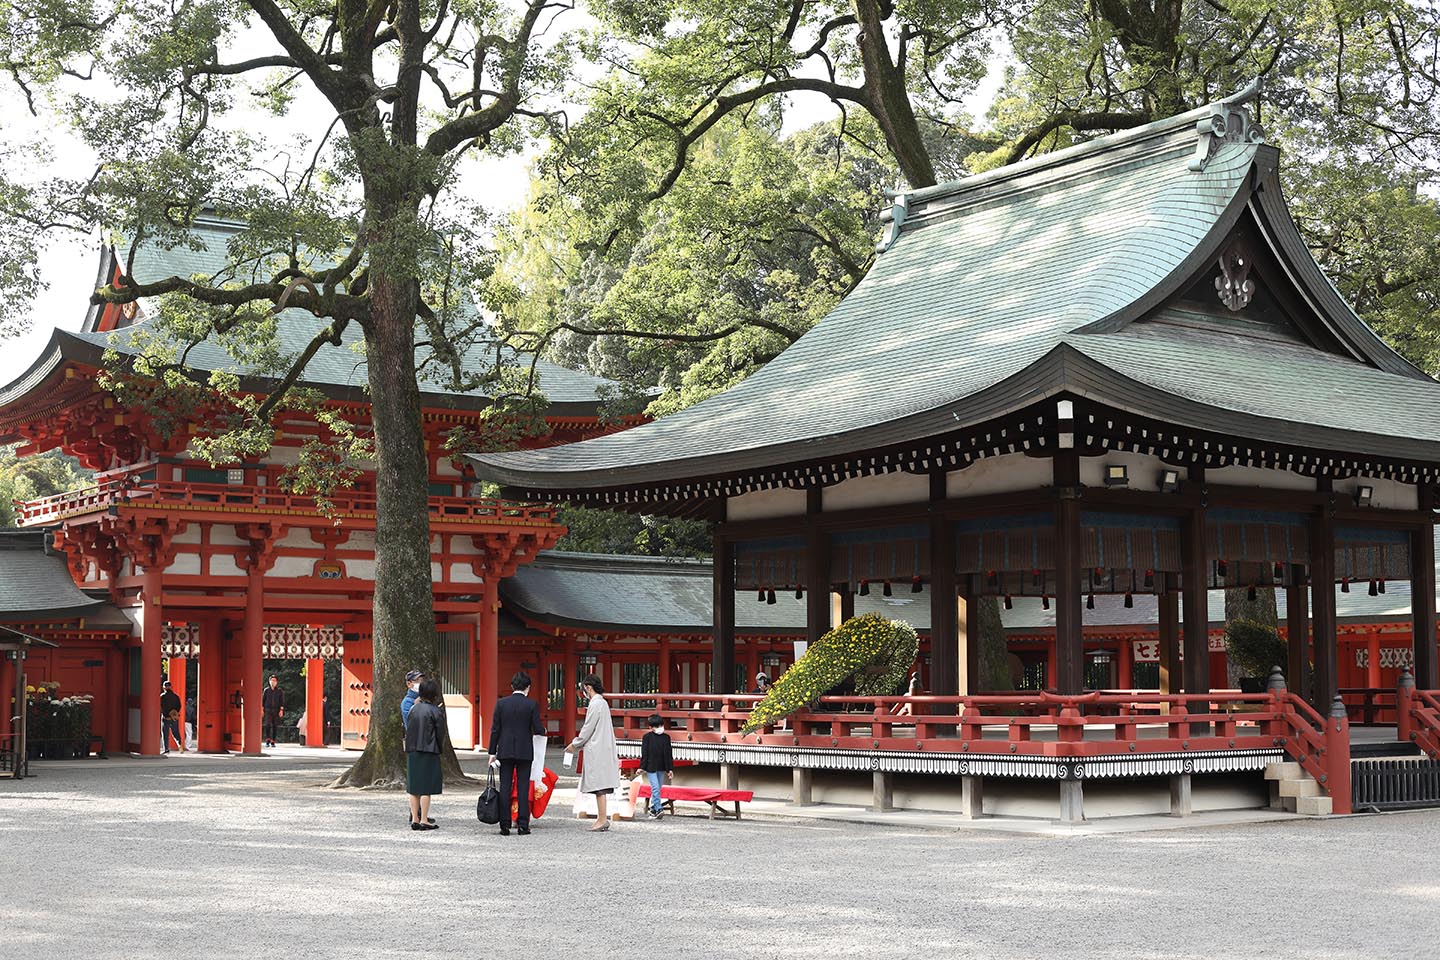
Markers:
(866, 641)
(34, 477)
(1254, 647)
(603, 531)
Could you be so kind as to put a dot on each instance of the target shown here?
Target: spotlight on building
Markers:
(1364, 494)
(1169, 480)
(1117, 475)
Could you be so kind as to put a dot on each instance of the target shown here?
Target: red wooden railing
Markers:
(130, 488)
(1041, 724)
(1369, 706)
(1418, 720)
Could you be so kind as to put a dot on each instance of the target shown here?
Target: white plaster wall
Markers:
(1144, 469)
(436, 572)
(1013, 471)
(283, 456)
(445, 468)
(1389, 494)
(224, 565)
(293, 567)
(1260, 477)
(360, 569)
(190, 534)
(221, 536)
(461, 545)
(876, 491)
(763, 504)
(298, 539)
(126, 567)
(463, 573)
(185, 563)
(360, 540)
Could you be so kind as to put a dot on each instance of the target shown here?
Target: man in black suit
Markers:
(516, 720)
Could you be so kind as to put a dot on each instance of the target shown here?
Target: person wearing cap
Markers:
(412, 693)
(272, 705)
(169, 719)
(762, 684)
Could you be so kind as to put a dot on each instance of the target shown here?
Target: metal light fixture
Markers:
(1117, 475)
(1169, 480)
(770, 659)
(1364, 494)
(588, 660)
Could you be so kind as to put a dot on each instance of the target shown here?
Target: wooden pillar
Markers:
(722, 623)
(1322, 604)
(1069, 615)
(662, 667)
(1169, 603)
(967, 619)
(1372, 669)
(152, 620)
(178, 682)
(314, 703)
(817, 570)
(252, 660)
(847, 605)
(1125, 678)
(1297, 627)
(1195, 600)
(8, 705)
(570, 725)
(210, 690)
(752, 663)
(944, 609)
(487, 646)
(1422, 598)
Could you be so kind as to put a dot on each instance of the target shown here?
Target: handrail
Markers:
(1369, 706)
(1095, 724)
(1418, 716)
(130, 488)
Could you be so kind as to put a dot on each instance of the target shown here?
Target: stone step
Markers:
(1289, 804)
(1300, 788)
(1284, 771)
(1314, 806)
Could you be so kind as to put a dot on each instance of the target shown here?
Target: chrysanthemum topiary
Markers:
(875, 651)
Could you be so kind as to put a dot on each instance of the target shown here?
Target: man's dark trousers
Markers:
(270, 727)
(518, 773)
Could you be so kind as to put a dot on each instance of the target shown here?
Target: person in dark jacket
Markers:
(170, 719)
(657, 762)
(272, 705)
(512, 749)
(424, 737)
(412, 693)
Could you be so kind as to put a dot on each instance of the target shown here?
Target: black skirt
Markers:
(422, 774)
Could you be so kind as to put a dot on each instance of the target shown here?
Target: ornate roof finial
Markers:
(1227, 122)
(899, 208)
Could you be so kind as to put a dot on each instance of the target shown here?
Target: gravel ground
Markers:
(198, 858)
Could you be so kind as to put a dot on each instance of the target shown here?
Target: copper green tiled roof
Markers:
(339, 371)
(1023, 283)
(36, 584)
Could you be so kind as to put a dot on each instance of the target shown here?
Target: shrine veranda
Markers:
(1097, 388)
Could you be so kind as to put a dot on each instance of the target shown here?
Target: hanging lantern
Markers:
(770, 595)
(1149, 578)
(1279, 571)
(915, 585)
(1045, 601)
(1009, 604)
(1222, 568)
(1037, 577)
(1382, 586)
(864, 588)
(886, 591)
(1129, 600)
(799, 593)
(1090, 602)
(1373, 591)
(1345, 585)
(760, 595)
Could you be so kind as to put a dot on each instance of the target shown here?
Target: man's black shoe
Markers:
(504, 831)
(523, 831)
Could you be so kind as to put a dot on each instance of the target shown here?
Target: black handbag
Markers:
(487, 808)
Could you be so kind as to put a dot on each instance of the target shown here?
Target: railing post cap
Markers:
(1407, 680)
(1277, 680)
(1337, 708)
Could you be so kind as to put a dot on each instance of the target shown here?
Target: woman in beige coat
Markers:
(600, 771)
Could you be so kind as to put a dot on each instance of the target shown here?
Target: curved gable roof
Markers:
(1008, 287)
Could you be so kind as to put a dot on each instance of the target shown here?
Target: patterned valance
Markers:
(1022, 542)
(1261, 537)
(1371, 553)
(1134, 542)
(777, 564)
(898, 554)
(297, 640)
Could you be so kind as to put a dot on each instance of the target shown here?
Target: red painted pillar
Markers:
(570, 726)
(1372, 672)
(151, 621)
(252, 661)
(7, 693)
(663, 667)
(487, 646)
(315, 703)
(210, 690)
(177, 683)
(752, 664)
(1126, 680)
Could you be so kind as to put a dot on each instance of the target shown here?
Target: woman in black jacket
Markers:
(424, 734)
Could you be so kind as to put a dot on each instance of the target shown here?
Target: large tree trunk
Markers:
(1239, 606)
(889, 100)
(995, 675)
(404, 629)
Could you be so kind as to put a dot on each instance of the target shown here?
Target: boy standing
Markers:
(656, 761)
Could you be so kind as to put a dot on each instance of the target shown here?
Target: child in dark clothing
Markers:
(656, 762)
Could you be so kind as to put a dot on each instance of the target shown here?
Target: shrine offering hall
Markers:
(1091, 392)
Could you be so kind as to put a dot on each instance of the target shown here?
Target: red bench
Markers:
(714, 797)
